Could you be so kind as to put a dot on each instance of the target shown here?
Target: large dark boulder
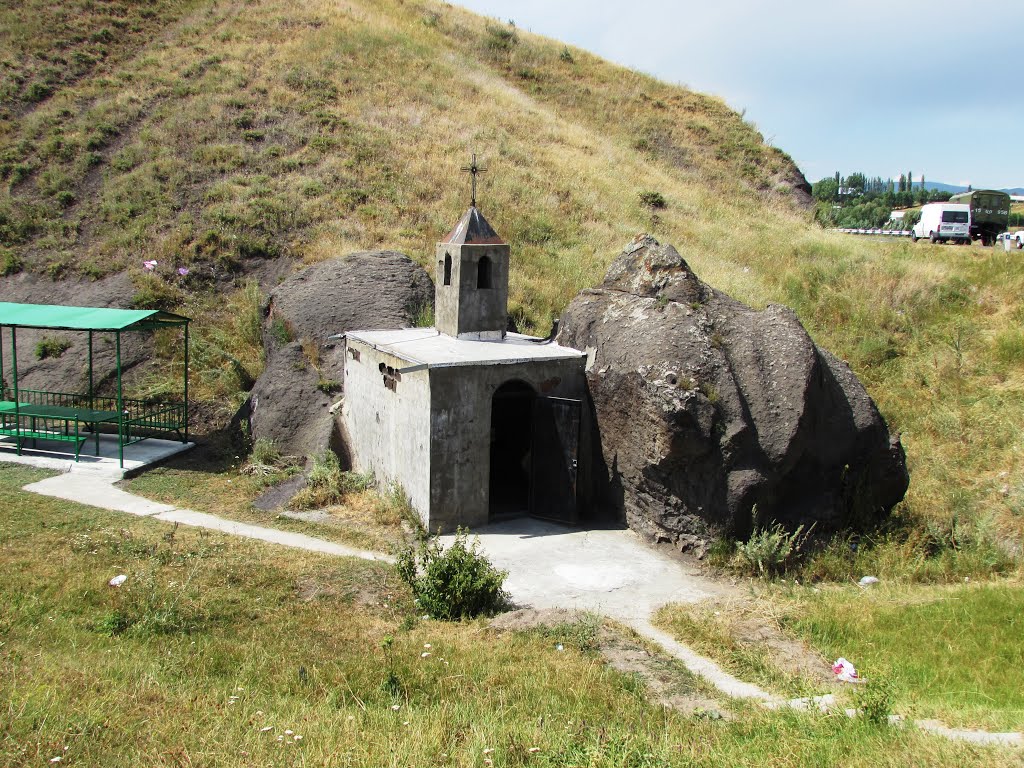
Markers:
(304, 374)
(706, 409)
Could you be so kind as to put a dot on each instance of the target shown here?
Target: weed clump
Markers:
(266, 459)
(328, 484)
(454, 583)
(874, 701)
(652, 199)
(51, 346)
(770, 550)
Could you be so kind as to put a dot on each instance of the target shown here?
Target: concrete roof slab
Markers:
(425, 346)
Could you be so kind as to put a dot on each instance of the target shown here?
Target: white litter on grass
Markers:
(117, 581)
(396, 707)
(844, 671)
(266, 728)
(867, 581)
(424, 654)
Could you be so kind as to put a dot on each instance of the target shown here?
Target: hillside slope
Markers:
(239, 139)
(222, 132)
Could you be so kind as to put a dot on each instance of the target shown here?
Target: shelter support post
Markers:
(14, 380)
(186, 382)
(91, 405)
(120, 402)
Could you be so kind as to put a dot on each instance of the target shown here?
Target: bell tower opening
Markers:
(483, 273)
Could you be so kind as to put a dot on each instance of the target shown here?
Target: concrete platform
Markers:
(612, 572)
(51, 454)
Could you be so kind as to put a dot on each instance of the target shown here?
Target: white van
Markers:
(944, 221)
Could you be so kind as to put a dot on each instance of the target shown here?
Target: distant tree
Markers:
(826, 190)
(970, 188)
(910, 181)
(839, 179)
(903, 182)
(856, 181)
(923, 185)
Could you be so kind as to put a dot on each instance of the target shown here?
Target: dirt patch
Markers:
(753, 624)
(665, 679)
(526, 619)
(668, 683)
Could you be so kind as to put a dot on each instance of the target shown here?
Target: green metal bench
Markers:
(56, 424)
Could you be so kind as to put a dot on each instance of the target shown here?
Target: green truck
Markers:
(990, 213)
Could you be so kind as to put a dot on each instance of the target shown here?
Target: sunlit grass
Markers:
(950, 652)
(214, 648)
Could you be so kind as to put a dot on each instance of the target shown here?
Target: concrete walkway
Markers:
(609, 572)
(98, 490)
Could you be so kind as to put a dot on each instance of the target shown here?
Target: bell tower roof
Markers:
(473, 229)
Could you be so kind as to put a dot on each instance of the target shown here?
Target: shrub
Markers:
(328, 386)
(51, 346)
(566, 56)
(652, 199)
(769, 550)
(454, 583)
(10, 263)
(874, 701)
(501, 39)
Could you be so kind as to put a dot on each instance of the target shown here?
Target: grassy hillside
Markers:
(229, 137)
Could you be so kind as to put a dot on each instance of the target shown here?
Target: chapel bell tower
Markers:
(471, 284)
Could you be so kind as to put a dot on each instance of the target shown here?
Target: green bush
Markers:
(10, 263)
(769, 550)
(652, 199)
(454, 583)
(51, 346)
(874, 701)
(501, 39)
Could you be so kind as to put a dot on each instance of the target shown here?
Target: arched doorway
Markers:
(511, 435)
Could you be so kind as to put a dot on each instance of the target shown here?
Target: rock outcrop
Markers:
(707, 410)
(304, 374)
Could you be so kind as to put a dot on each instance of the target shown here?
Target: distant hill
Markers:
(956, 188)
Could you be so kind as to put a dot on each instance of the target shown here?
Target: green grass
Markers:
(946, 652)
(211, 640)
(950, 652)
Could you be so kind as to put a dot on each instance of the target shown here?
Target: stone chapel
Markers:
(474, 422)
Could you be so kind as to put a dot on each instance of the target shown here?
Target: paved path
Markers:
(98, 490)
(610, 572)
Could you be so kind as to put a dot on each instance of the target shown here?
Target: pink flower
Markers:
(183, 271)
(149, 265)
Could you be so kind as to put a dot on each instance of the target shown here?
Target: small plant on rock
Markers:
(51, 346)
(266, 459)
(327, 483)
(454, 583)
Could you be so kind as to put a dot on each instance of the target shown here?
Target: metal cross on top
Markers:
(473, 169)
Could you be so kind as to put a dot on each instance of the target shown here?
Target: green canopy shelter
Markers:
(31, 414)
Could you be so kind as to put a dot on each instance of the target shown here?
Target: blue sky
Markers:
(881, 87)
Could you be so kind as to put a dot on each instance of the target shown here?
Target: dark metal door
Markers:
(555, 456)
